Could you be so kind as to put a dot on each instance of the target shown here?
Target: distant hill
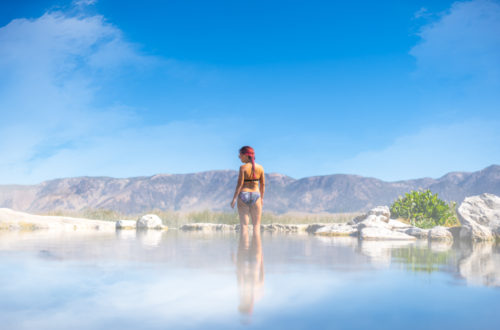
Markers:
(213, 190)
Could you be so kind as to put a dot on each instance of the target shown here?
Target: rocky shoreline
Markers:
(15, 220)
(479, 217)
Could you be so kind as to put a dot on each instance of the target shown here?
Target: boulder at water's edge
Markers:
(149, 221)
(480, 217)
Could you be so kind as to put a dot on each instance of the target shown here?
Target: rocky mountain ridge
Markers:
(213, 190)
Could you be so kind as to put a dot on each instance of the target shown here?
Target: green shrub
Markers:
(424, 209)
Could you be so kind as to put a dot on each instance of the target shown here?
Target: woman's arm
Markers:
(239, 185)
(262, 186)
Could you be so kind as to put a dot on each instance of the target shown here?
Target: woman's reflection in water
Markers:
(249, 270)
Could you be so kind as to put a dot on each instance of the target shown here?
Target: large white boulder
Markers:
(480, 217)
(440, 233)
(376, 221)
(149, 221)
(476, 233)
(381, 213)
(337, 229)
(398, 225)
(378, 233)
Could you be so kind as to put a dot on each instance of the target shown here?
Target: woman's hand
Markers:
(262, 202)
(232, 203)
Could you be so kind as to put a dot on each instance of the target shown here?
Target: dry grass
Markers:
(175, 219)
(94, 214)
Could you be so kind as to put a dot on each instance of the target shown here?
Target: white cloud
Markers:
(458, 62)
(176, 147)
(462, 43)
(84, 2)
(432, 151)
(421, 13)
(51, 68)
(53, 61)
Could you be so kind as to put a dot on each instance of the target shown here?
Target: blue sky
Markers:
(390, 89)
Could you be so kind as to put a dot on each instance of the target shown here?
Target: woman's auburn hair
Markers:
(248, 151)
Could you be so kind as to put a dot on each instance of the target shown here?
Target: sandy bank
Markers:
(15, 220)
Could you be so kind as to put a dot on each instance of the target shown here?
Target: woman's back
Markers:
(251, 183)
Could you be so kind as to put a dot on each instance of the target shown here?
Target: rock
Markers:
(482, 209)
(480, 217)
(455, 232)
(201, 226)
(149, 221)
(357, 219)
(440, 233)
(314, 227)
(376, 221)
(476, 233)
(225, 227)
(337, 229)
(381, 212)
(278, 227)
(396, 224)
(379, 233)
(126, 224)
(417, 232)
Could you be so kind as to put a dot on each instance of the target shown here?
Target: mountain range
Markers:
(213, 190)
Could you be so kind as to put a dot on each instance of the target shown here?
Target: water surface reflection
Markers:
(249, 270)
(156, 280)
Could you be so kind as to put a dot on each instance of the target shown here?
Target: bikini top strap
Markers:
(249, 180)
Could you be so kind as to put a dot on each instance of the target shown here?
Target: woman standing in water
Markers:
(249, 189)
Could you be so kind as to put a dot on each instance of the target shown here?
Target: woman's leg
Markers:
(244, 213)
(256, 214)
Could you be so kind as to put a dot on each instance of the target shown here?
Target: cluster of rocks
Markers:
(479, 217)
(374, 225)
(202, 226)
(145, 222)
(275, 227)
